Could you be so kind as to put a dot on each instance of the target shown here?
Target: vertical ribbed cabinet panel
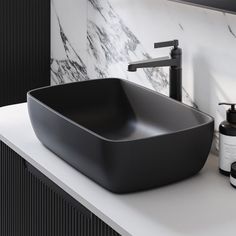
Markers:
(32, 205)
(24, 48)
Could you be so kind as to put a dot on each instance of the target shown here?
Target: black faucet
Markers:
(174, 62)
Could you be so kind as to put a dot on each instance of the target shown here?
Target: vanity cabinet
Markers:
(24, 48)
(32, 205)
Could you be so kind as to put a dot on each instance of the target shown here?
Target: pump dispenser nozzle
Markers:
(231, 113)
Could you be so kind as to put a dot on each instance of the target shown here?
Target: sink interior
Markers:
(119, 110)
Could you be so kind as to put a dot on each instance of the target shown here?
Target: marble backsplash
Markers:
(97, 38)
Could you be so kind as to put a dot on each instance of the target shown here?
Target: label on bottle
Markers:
(227, 151)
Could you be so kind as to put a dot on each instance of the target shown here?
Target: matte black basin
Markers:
(123, 136)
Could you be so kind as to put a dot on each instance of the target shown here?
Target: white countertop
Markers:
(202, 205)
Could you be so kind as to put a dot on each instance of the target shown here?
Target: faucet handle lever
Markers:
(173, 43)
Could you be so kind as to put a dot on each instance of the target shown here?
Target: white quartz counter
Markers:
(204, 205)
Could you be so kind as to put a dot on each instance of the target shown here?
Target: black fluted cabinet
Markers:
(24, 48)
(32, 205)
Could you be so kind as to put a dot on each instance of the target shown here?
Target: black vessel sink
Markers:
(123, 136)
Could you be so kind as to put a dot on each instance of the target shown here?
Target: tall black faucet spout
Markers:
(156, 62)
(174, 62)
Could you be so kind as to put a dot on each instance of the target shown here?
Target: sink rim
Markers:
(29, 95)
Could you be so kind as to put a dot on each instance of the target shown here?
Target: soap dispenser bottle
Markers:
(227, 148)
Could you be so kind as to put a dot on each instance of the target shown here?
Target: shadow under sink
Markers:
(123, 136)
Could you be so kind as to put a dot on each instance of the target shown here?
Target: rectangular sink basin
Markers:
(121, 135)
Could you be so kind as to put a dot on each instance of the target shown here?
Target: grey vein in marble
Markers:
(229, 26)
(70, 69)
(111, 42)
(231, 31)
(181, 27)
